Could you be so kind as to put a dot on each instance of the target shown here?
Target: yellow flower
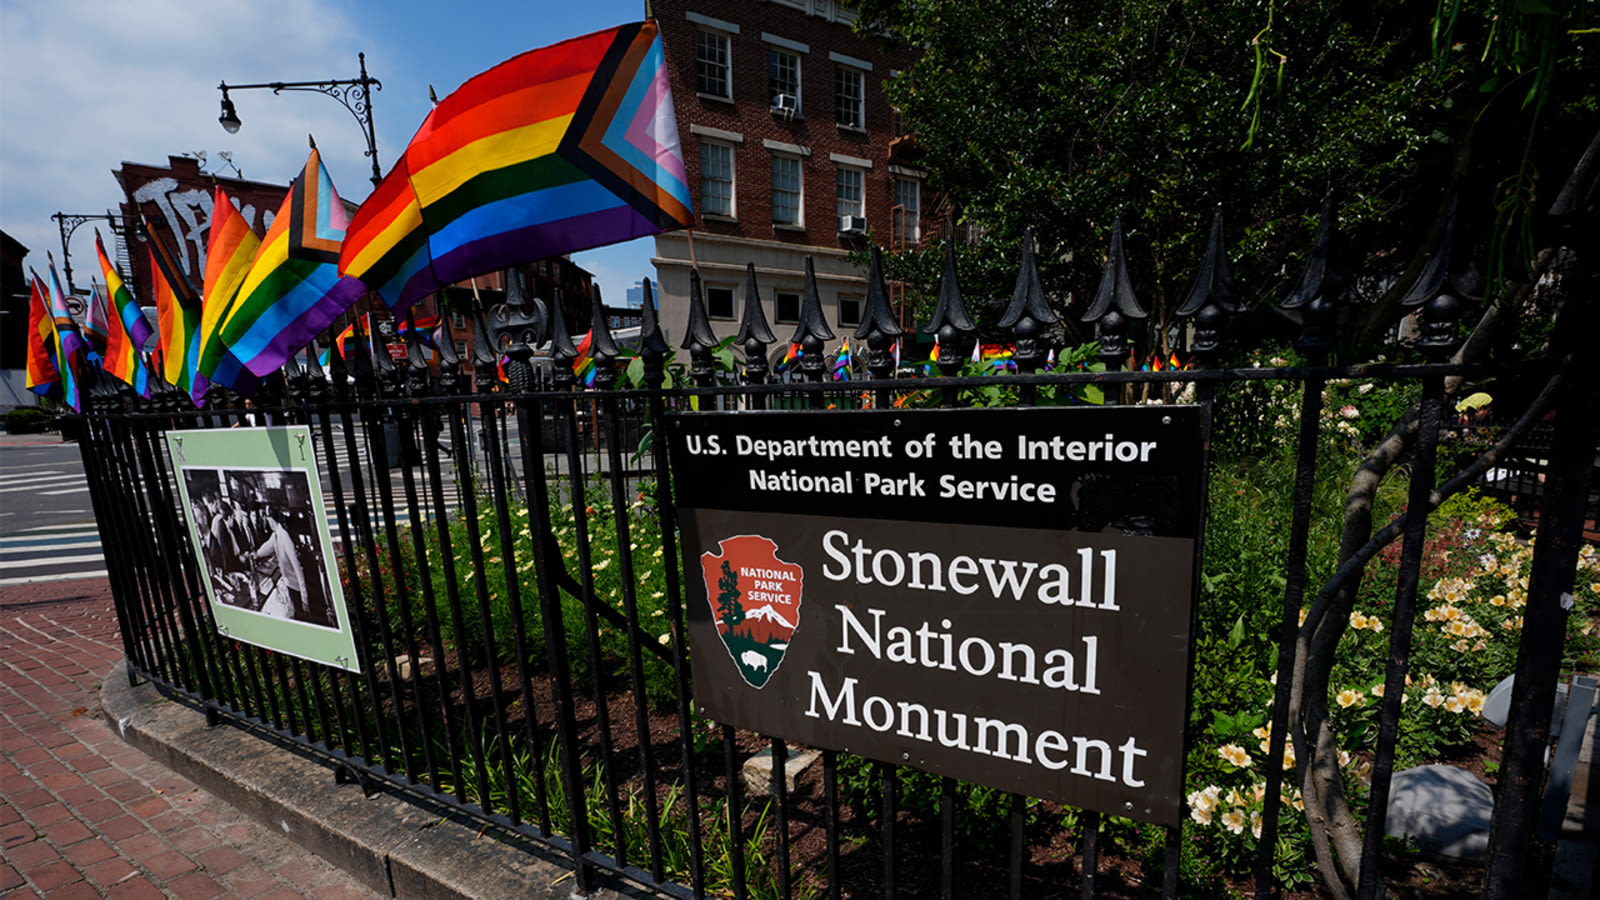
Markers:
(1475, 701)
(1454, 704)
(1497, 600)
(1350, 697)
(1200, 814)
(1264, 732)
(1461, 646)
(1233, 820)
(1377, 690)
(1433, 697)
(1344, 758)
(1255, 822)
(1303, 610)
(1235, 754)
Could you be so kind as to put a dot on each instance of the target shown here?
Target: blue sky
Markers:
(88, 84)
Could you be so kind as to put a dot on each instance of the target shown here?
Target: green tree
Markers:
(728, 608)
(1065, 115)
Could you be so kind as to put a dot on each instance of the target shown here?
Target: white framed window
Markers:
(719, 301)
(787, 190)
(713, 63)
(849, 97)
(783, 76)
(461, 351)
(716, 179)
(458, 319)
(849, 310)
(908, 216)
(786, 307)
(850, 183)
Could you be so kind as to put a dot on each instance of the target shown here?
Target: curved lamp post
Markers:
(68, 223)
(355, 94)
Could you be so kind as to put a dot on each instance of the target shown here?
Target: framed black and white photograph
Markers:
(253, 502)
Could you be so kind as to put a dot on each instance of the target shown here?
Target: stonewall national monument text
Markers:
(1001, 596)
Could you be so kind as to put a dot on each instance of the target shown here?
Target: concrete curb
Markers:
(398, 847)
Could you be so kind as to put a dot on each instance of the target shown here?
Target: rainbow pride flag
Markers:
(293, 289)
(177, 315)
(559, 149)
(123, 358)
(841, 363)
(229, 254)
(583, 363)
(121, 299)
(72, 344)
(123, 361)
(95, 327)
(790, 356)
(42, 376)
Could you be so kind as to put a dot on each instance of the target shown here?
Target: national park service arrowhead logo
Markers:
(755, 602)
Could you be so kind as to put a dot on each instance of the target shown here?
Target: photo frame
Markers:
(252, 500)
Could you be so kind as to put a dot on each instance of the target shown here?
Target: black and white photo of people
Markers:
(260, 542)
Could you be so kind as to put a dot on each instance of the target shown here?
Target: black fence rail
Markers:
(509, 556)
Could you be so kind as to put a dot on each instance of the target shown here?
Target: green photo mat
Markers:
(265, 553)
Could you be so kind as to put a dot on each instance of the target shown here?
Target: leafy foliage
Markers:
(1064, 116)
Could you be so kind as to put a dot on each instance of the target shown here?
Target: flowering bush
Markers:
(1473, 586)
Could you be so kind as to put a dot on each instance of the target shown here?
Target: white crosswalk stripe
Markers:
(51, 553)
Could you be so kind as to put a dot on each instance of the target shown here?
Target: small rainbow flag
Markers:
(293, 289)
(178, 315)
(559, 149)
(95, 327)
(133, 320)
(43, 376)
(123, 357)
(583, 363)
(72, 343)
(229, 255)
(841, 362)
(791, 356)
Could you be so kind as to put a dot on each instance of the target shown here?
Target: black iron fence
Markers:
(509, 555)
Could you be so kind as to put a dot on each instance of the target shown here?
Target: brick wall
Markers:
(749, 114)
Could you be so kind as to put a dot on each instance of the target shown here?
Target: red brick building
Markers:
(787, 137)
(176, 202)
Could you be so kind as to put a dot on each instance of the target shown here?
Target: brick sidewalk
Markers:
(85, 815)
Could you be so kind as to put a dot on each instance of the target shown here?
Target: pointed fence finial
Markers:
(813, 329)
(755, 336)
(653, 347)
(1320, 288)
(699, 340)
(879, 327)
(950, 323)
(1438, 285)
(1029, 314)
(1114, 304)
(1213, 296)
(602, 347)
(562, 350)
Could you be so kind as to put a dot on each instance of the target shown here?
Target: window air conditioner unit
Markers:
(852, 224)
(785, 105)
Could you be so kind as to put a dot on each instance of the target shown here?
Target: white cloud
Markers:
(85, 86)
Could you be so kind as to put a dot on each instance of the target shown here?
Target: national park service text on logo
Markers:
(755, 602)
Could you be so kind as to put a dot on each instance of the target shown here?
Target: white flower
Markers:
(1349, 412)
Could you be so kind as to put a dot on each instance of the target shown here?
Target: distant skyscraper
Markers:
(635, 297)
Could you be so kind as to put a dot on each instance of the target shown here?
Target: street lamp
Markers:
(68, 223)
(355, 94)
